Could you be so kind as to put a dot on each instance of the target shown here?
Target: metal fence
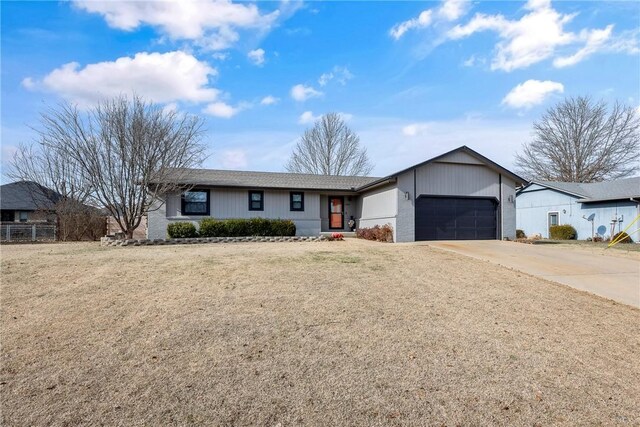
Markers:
(27, 232)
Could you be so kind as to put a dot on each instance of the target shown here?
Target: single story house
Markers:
(607, 206)
(458, 195)
(27, 201)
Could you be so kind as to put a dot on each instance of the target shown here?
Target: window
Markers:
(195, 202)
(8, 216)
(24, 216)
(296, 201)
(256, 200)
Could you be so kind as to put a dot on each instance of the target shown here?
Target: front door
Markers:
(553, 220)
(336, 212)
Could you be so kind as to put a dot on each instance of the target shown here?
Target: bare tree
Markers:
(57, 186)
(52, 169)
(579, 140)
(121, 151)
(329, 148)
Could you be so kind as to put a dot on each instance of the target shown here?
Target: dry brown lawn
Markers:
(332, 333)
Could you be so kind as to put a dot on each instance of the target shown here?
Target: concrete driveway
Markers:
(610, 276)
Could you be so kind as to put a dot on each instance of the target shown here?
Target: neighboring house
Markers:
(26, 201)
(458, 195)
(612, 204)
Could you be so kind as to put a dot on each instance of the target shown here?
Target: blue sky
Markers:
(413, 79)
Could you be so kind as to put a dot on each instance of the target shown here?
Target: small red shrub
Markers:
(378, 233)
(337, 236)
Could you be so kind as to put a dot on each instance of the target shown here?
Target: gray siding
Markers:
(380, 207)
(460, 175)
(460, 157)
(234, 203)
(457, 174)
(157, 220)
(457, 180)
(508, 209)
(405, 221)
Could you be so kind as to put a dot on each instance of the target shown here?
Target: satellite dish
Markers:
(591, 217)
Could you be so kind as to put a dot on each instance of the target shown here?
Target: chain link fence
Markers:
(27, 232)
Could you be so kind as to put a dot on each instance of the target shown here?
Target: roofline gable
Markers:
(464, 149)
(552, 187)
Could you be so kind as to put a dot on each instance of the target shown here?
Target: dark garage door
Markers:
(455, 218)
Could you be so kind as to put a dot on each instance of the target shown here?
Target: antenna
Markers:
(590, 219)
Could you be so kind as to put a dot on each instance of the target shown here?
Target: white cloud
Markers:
(222, 110)
(531, 93)
(301, 92)
(159, 77)
(415, 129)
(526, 41)
(449, 10)
(423, 20)
(539, 35)
(212, 23)
(171, 107)
(220, 56)
(28, 83)
(269, 100)
(347, 117)
(340, 74)
(234, 159)
(256, 56)
(601, 41)
(452, 10)
(307, 117)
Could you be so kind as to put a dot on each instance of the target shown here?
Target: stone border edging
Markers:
(108, 241)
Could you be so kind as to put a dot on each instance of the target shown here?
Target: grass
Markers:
(333, 333)
(629, 247)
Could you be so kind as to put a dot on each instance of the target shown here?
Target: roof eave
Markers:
(610, 199)
(562, 190)
(264, 187)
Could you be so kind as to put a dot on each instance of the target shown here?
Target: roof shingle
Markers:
(247, 179)
(607, 190)
(27, 196)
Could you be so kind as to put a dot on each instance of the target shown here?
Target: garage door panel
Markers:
(465, 222)
(486, 222)
(455, 218)
(445, 234)
(465, 234)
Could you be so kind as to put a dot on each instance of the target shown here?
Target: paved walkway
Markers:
(613, 277)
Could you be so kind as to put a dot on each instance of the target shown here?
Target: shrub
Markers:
(379, 233)
(337, 236)
(624, 237)
(260, 227)
(237, 228)
(283, 227)
(181, 230)
(598, 238)
(562, 232)
(210, 227)
(520, 234)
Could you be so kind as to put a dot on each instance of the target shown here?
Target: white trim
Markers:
(549, 225)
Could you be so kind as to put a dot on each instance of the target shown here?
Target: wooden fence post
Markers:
(33, 232)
